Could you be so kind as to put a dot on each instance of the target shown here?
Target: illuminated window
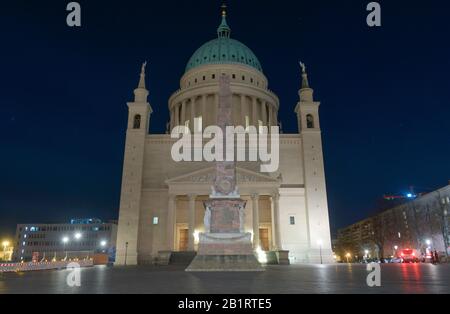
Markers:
(155, 220)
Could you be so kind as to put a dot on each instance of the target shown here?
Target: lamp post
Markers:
(103, 245)
(65, 240)
(5, 245)
(126, 253)
(395, 250)
(320, 243)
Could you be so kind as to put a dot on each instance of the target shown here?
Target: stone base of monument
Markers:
(283, 257)
(225, 252)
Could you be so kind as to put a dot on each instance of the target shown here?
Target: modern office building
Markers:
(78, 239)
(421, 224)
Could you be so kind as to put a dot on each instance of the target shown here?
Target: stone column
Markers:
(171, 221)
(275, 116)
(255, 112)
(276, 235)
(177, 116)
(191, 244)
(264, 113)
(270, 115)
(216, 108)
(255, 206)
(183, 113)
(204, 116)
(191, 120)
(243, 110)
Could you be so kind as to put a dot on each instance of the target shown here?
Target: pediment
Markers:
(207, 176)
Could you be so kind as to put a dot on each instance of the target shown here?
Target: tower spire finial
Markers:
(142, 78)
(141, 92)
(305, 83)
(305, 92)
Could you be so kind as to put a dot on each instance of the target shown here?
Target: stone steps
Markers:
(182, 258)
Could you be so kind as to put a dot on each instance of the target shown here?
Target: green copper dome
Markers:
(223, 50)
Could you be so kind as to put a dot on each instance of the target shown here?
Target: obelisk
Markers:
(225, 246)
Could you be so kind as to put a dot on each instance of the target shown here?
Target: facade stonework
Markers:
(162, 201)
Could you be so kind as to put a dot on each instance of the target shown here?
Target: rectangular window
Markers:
(155, 220)
(292, 220)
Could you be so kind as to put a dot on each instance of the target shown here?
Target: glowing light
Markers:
(103, 243)
(261, 255)
(5, 244)
(197, 236)
(65, 240)
(428, 242)
(78, 236)
(396, 247)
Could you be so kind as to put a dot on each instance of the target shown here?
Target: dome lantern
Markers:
(224, 31)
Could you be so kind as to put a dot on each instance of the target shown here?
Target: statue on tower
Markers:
(303, 66)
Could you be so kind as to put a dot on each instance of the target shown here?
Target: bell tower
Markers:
(319, 238)
(139, 113)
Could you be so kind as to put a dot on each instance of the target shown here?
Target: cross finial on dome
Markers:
(224, 9)
(224, 30)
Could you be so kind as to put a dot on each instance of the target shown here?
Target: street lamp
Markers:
(103, 243)
(395, 250)
(65, 240)
(126, 253)
(78, 236)
(5, 245)
(320, 243)
(348, 256)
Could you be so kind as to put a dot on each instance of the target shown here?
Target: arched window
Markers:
(137, 122)
(310, 121)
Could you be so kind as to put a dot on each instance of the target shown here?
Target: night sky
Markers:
(63, 91)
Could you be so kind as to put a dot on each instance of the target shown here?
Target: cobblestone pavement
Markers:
(294, 279)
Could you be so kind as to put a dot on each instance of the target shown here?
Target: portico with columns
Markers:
(187, 194)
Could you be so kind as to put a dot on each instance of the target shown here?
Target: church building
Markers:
(162, 201)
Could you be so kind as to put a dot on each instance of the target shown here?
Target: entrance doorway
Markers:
(184, 240)
(264, 239)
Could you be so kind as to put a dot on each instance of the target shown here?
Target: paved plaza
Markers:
(342, 278)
